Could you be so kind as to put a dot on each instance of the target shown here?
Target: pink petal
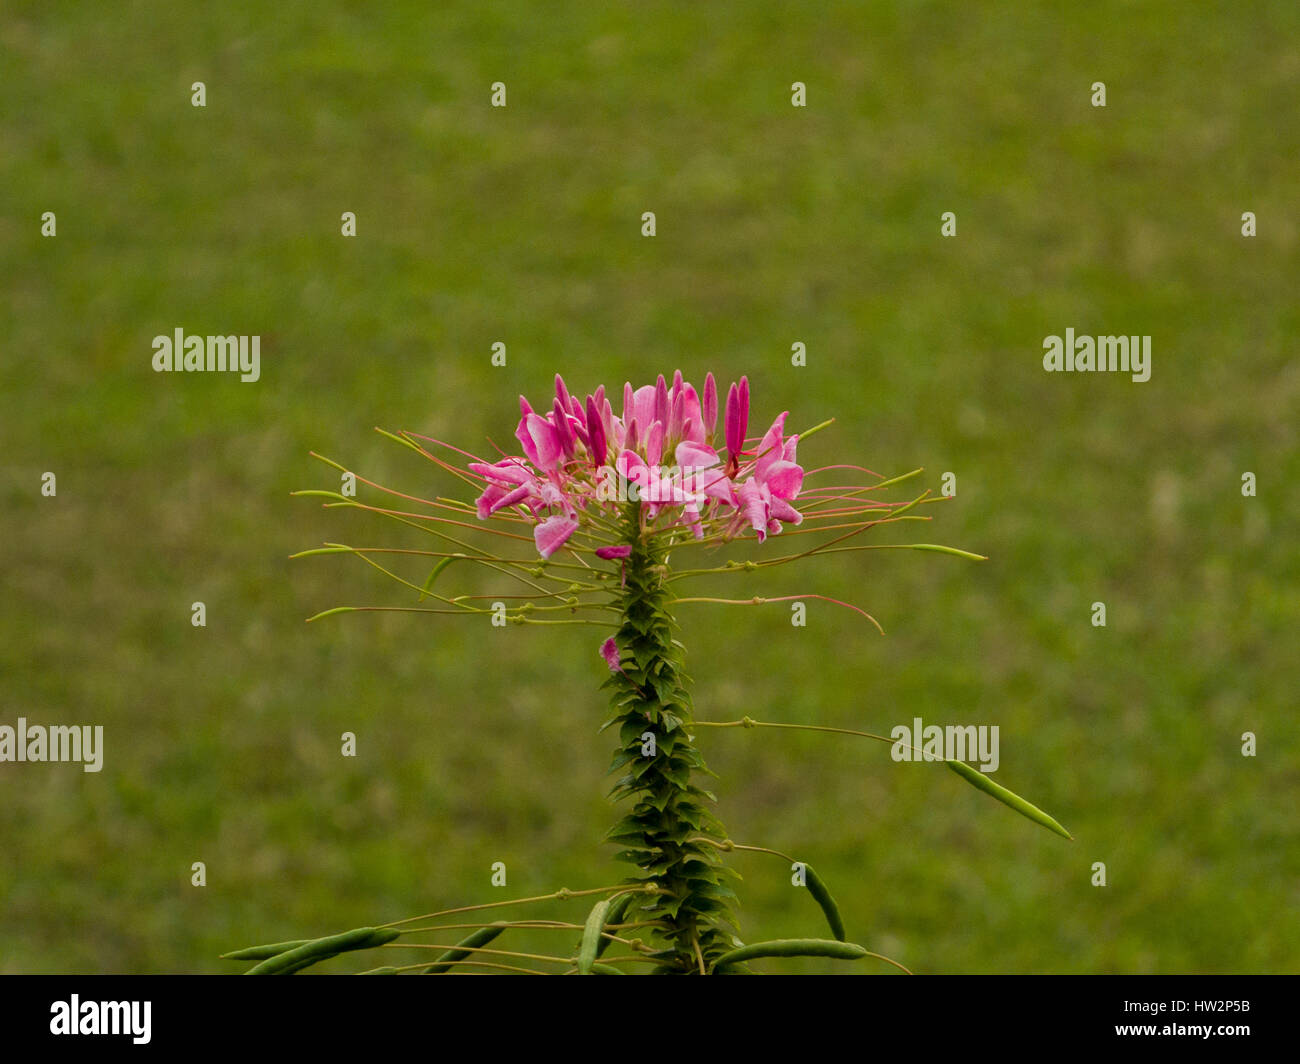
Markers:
(654, 443)
(609, 651)
(509, 499)
(783, 510)
(737, 419)
(692, 419)
(623, 550)
(772, 447)
(563, 430)
(632, 468)
(716, 485)
(709, 408)
(691, 515)
(595, 432)
(507, 471)
(546, 441)
(667, 492)
(524, 437)
(695, 456)
(784, 479)
(676, 415)
(752, 498)
(484, 502)
(643, 404)
(553, 533)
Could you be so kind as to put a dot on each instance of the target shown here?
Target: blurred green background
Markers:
(775, 225)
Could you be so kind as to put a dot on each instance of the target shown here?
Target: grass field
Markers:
(775, 225)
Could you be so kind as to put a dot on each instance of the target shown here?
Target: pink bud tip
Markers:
(624, 550)
(737, 419)
(563, 430)
(595, 432)
(710, 409)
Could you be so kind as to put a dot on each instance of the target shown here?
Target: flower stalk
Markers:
(666, 833)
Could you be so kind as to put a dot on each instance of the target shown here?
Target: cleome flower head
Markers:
(674, 467)
(582, 463)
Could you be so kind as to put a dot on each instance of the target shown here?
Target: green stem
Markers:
(665, 835)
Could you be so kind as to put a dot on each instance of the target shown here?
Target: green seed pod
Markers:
(465, 948)
(300, 965)
(793, 947)
(617, 911)
(323, 948)
(591, 936)
(605, 969)
(387, 969)
(1006, 797)
(817, 888)
(433, 576)
(261, 953)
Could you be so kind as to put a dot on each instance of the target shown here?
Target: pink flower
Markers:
(609, 651)
(580, 460)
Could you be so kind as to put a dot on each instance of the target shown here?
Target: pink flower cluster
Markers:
(661, 452)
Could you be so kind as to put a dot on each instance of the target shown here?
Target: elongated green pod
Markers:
(261, 953)
(822, 895)
(941, 549)
(300, 965)
(323, 948)
(793, 947)
(605, 969)
(617, 911)
(591, 936)
(465, 948)
(387, 969)
(982, 782)
(437, 571)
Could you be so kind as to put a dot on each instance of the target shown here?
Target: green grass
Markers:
(775, 224)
